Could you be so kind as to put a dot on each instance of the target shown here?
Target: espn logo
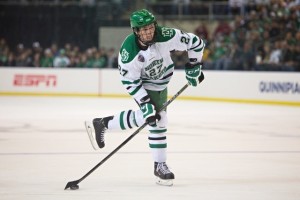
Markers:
(34, 80)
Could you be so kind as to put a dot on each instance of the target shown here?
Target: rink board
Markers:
(232, 86)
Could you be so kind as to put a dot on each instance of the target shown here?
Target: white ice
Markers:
(218, 151)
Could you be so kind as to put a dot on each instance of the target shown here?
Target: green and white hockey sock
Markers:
(158, 143)
(126, 120)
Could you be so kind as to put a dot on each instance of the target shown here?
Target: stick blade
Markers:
(71, 183)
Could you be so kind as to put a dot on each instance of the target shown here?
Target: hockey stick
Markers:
(74, 184)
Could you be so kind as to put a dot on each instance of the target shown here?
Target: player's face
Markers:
(146, 33)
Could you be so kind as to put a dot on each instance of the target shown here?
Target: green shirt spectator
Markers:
(47, 59)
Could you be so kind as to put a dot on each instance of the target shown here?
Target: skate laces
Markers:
(163, 167)
(102, 131)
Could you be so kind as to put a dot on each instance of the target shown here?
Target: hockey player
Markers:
(146, 68)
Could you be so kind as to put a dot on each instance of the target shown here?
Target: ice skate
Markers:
(96, 132)
(90, 131)
(164, 175)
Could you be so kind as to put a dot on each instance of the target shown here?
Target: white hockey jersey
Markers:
(152, 69)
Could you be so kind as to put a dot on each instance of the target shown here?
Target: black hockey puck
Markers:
(74, 187)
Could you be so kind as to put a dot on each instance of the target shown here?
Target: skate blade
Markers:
(168, 182)
(90, 131)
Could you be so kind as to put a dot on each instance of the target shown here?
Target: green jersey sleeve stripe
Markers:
(198, 50)
(195, 39)
(170, 66)
(200, 44)
(131, 82)
(135, 90)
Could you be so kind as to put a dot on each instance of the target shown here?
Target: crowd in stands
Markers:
(266, 38)
(70, 56)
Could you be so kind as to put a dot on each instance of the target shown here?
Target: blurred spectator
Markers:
(218, 55)
(54, 49)
(11, 61)
(90, 58)
(2, 43)
(4, 51)
(112, 58)
(82, 61)
(100, 60)
(76, 50)
(202, 32)
(275, 56)
(289, 56)
(236, 58)
(47, 60)
(36, 60)
(23, 57)
(36, 48)
(73, 60)
(20, 49)
(264, 64)
(68, 49)
(274, 29)
(61, 60)
(223, 29)
(247, 57)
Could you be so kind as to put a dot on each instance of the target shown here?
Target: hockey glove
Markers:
(201, 77)
(193, 71)
(149, 113)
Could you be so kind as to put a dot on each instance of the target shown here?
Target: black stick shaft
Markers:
(130, 137)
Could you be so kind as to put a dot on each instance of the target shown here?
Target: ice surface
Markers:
(218, 151)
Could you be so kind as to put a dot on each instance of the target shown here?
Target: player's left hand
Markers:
(193, 72)
(149, 113)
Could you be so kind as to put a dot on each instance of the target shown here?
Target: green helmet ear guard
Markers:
(141, 18)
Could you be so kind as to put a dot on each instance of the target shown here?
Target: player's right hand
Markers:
(193, 71)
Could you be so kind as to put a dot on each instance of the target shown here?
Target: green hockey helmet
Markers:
(141, 18)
